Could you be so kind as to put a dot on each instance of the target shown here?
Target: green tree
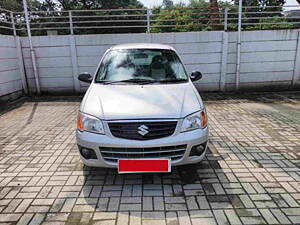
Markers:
(194, 16)
(168, 4)
(107, 18)
(57, 18)
(17, 5)
(272, 23)
(261, 3)
(256, 11)
(214, 14)
(175, 20)
(98, 4)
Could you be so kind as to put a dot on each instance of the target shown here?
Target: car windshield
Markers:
(141, 65)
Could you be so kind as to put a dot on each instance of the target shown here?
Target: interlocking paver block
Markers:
(147, 203)
(25, 219)
(135, 218)
(250, 174)
(232, 217)
(104, 215)
(220, 217)
(123, 218)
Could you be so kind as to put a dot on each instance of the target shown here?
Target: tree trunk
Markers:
(215, 18)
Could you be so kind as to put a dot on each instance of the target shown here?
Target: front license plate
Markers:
(144, 166)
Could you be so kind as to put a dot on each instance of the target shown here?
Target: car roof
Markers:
(142, 46)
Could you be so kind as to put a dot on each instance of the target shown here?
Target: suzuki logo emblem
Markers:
(143, 130)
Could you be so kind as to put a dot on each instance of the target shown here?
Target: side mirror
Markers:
(85, 77)
(195, 75)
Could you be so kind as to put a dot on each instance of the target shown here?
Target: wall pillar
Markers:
(222, 81)
(296, 74)
(74, 63)
(21, 64)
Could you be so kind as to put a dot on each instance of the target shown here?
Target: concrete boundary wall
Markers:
(11, 69)
(198, 50)
(269, 59)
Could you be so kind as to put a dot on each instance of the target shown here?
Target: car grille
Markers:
(130, 130)
(113, 154)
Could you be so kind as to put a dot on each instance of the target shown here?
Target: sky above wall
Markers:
(152, 3)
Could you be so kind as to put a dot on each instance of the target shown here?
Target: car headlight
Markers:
(194, 121)
(89, 123)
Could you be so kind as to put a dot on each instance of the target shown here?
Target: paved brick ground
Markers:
(250, 176)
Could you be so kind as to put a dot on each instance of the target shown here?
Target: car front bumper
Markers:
(96, 141)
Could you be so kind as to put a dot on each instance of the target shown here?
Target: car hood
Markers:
(152, 101)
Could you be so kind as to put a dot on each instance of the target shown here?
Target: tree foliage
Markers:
(98, 4)
(267, 13)
(58, 18)
(52, 5)
(17, 5)
(256, 11)
(197, 15)
(168, 4)
(193, 16)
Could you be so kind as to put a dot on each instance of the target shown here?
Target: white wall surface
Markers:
(198, 50)
(268, 58)
(10, 78)
(53, 58)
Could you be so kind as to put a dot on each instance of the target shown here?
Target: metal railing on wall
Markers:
(7, 22)
(156, 20)
(149, 20)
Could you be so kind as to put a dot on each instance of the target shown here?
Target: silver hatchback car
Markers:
(140, 108)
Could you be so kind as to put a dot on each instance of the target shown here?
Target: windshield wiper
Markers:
(172, 81)
(133, 80)
(141, 81)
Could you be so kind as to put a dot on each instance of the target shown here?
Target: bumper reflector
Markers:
(87, 153)
(144, 165)
(198, 150)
